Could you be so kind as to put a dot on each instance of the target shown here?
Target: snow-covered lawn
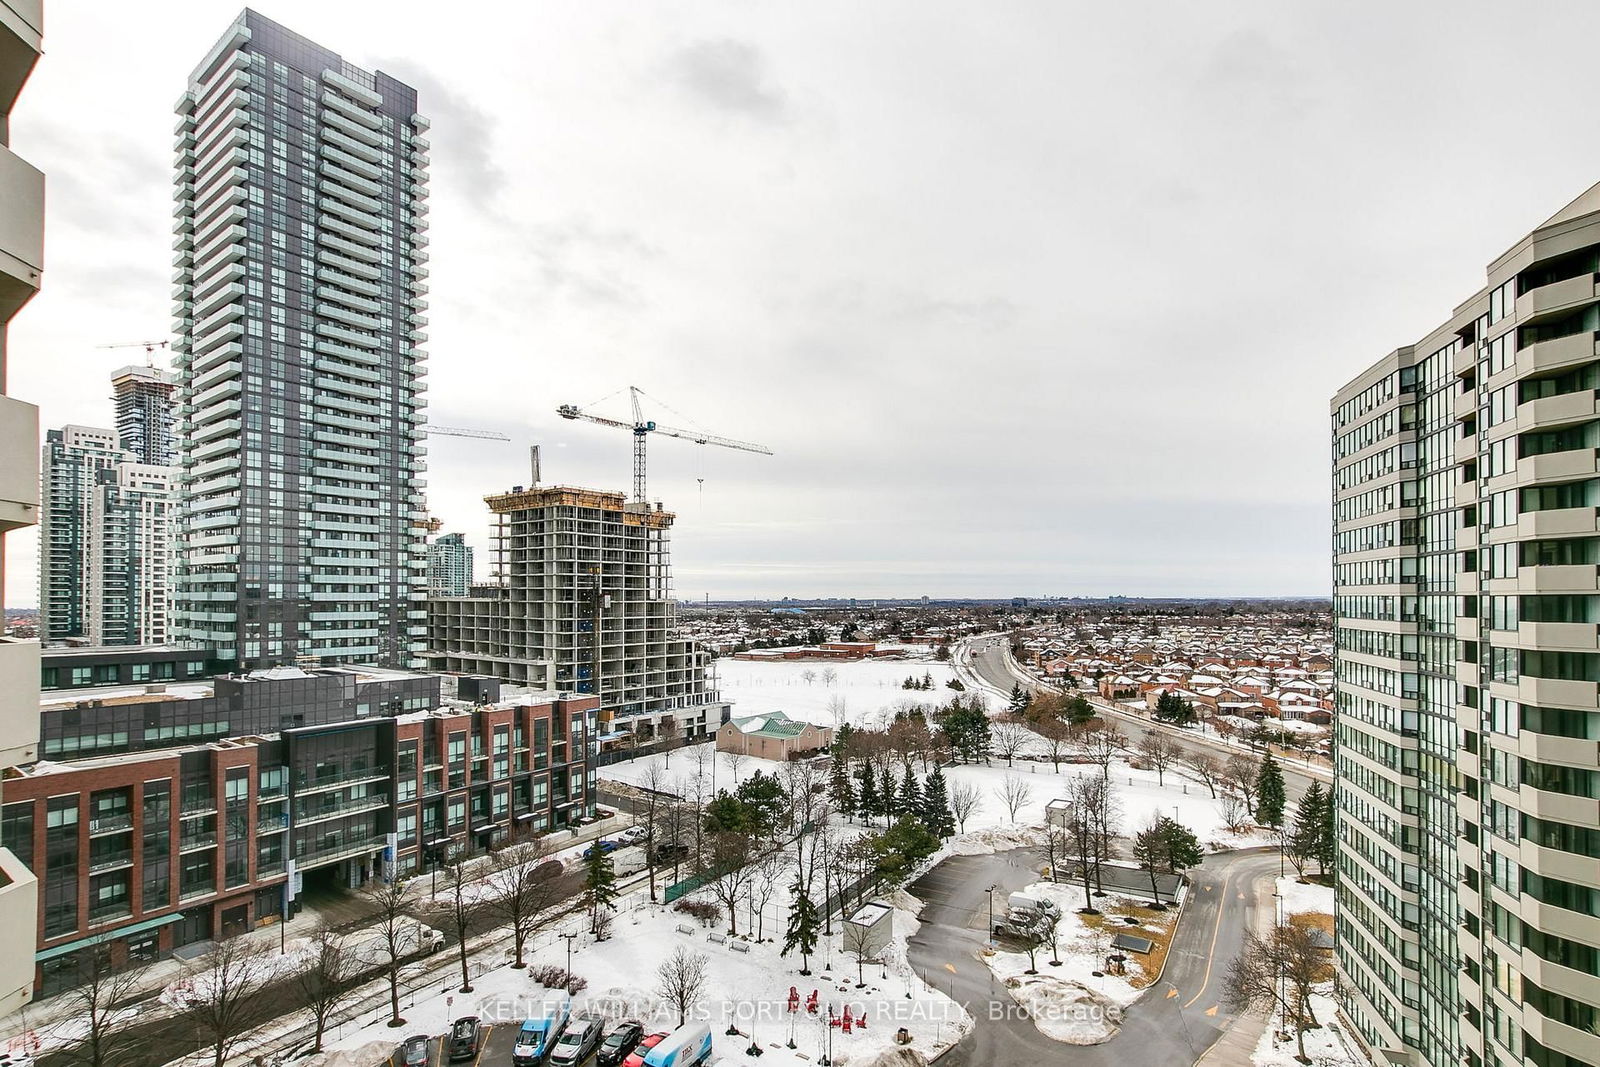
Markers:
(746, 989)
(1302, 897)
(864, 690)
(1070, 1003)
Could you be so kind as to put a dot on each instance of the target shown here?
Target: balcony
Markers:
(21, 231)
(1552, 355)
(1557, 466)
(19, 704)
(19, 904)
(1558, 522)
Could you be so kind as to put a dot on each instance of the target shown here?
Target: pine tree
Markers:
(1306, 835)
(599, 883)
(936, 804)
(840, 791)
(1019, 698)
(802, 932)
(886, 794)
(867, 801)
(1269, 792)
(909, 801)
(1328, 840)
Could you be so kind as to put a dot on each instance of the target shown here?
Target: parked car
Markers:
(648, 1042)
(414, 1053)
(604, 845)
(464, 1034)
(633, 835)
(619, 1042)
(578, 1043)
(667, 854)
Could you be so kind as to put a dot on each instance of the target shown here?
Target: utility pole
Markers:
(569, 938)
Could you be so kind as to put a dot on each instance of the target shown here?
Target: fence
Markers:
(619, 755)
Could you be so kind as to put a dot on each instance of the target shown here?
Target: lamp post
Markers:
(991, 917)
(567, 981)
(1283, 1008)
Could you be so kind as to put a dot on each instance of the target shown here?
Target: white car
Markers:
(633, 835)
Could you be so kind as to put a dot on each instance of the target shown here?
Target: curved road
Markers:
(1174, 1023)
(988, 659)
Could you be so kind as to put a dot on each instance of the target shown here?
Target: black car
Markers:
(464, 1038)
(668, 854)
(619, 1042)
(414, 1053)
(581, 1038)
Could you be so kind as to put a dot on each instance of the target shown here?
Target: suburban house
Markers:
(773, 736)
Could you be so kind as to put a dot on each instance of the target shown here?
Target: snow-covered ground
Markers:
(1301, 897)
(1070, 1003)
(747, 989)
(865, 692)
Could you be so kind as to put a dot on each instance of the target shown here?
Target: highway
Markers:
(989, 659)
(1175, 1023)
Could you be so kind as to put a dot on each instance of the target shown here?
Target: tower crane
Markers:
(642, 428)
(431, 524)
(148, 346)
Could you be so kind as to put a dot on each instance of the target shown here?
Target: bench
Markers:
(739, 946)
(685, 929)
(716, 938)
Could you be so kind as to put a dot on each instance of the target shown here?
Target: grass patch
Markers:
(1155, 925)
(1318, 919)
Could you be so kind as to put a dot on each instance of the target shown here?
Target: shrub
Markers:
(554, 976)
(703, 910)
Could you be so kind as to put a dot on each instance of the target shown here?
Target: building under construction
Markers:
(582, 603)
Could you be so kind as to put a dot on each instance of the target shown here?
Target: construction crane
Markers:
(449, 431)
(642, 428)
(148, 346)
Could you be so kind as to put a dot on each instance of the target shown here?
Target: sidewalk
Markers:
(153, 978)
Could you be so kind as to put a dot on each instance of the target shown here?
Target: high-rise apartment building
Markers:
(301, 267)
(21, 264)
(144, 413)
(130, 555)
(1467, 606)
(449, 566)
(70, 468)
(582, 603)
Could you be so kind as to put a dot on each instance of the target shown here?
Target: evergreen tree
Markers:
(1305, 836)
(886, 793)
(802, 932)
(909, 801)
(841, 743)
(599, 883)
(1328, 840)
(840, 792)
(867, 800)
(1019, 698)
(1269, 792)
(967, 729)
(1079, 710)
(936, 804)
(1181, 846)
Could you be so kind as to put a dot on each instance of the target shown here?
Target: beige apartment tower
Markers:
(21, 263)
(1467, 621)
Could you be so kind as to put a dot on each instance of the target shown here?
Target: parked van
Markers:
(539, 1035)
(687, 1046)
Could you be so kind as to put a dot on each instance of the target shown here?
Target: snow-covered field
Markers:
(863, 691)
(1299, 897)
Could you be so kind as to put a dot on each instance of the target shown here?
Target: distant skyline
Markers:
(1044, 303)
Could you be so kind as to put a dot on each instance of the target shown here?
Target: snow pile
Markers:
(372, 1054)
(1325, 1046)
(1065, 1011)
(900, 1057)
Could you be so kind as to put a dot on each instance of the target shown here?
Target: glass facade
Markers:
(301, 251)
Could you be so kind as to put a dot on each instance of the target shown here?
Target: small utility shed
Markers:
(868, 932)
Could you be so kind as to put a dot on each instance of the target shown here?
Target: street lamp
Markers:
(567, 981)
(991, 917)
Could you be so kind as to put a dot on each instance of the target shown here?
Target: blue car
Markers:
(603, 846)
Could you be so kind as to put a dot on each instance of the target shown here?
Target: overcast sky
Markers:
(1026, 298)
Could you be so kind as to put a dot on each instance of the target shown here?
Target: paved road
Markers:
(1177, 1021)
(990, 662)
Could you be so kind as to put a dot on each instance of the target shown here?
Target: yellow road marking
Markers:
(950, 967)
(1172, 991)
(1216, 930)
(1212, 1010)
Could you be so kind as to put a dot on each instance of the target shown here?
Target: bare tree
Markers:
(765, 873)
(668, 737)
(101, 1013)
(324, 980)
(1160, 752)
(808, 676)
(1107, 820)
(829, 676)
(523, 883)
(731, 872)
(1203, 768)
(1007, 738)
(681, 980)
(653, 786)
(734, 759)
(965, 800)
(461, 913)
(854, 943)
(1283, 970)
(1102, 746)
(838, 712)
(1059, 738)
(1235, 809)
(1240, 773)
(388, 900)
(224, 998)
(1013, 793)
(1075, 820)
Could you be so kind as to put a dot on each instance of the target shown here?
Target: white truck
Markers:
(368, 950)
(1025, 917)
